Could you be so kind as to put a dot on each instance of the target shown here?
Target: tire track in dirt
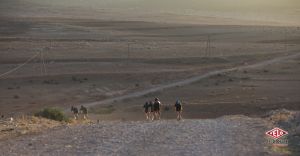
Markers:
(189, 80)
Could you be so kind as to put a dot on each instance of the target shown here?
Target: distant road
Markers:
(189, 80)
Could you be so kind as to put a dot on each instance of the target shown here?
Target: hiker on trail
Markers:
(156, 107)
(151, 114)
(178, 109)
(75, 112)
(146, 110)
(84, 111)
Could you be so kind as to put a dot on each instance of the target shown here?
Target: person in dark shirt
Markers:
(151, 114)
(178, 109)
(146, 110)
(84, 112)
(75, 112)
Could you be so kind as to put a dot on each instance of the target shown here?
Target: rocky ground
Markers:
(235, 135)
(227, 135)
(59, 54)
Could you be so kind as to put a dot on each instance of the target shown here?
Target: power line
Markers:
(41, 63)
(19, 66)
(128, 53)
(207, 50)
(285, 39)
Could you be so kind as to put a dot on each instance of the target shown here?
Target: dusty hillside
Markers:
(236, 135)
(14, 127)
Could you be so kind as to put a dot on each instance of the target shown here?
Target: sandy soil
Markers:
(211, 95)
(88, 54)
(88, 60)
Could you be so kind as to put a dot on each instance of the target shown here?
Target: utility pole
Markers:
(207, 51)
(128, 52)
(43, 65)
(285, 39)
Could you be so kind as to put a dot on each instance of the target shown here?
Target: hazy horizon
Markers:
(281, 11)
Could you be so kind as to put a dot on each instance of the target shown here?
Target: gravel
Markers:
(235, 135)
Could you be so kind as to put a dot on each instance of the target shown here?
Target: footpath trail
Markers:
(190, 80)
(231, 135)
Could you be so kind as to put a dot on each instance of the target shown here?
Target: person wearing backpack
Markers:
(178, 109)
(84, 112)
(156, 108)
(151, 114)
(146, 110)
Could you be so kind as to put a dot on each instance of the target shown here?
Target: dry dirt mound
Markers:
(13, 127)
(235, 135)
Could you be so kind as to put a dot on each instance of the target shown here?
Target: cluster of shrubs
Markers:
(53, 114)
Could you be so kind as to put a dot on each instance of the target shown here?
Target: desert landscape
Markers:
(228, 68)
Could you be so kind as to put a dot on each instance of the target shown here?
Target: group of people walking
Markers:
(152, 109)
(83, 110)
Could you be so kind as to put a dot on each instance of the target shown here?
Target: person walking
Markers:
(151, 113)
(146, 110)
(84, 112)
(75, 112)
(178, 109)
(156, 107)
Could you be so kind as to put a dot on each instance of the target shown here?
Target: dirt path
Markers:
(233, 135)
(189, 80)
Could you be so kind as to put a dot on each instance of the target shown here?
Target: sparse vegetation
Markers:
(52, 113)
(24, 125)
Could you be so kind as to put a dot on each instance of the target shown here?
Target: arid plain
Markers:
(82, 59)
